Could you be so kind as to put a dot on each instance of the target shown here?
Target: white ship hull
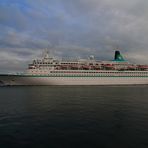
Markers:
(49, 80)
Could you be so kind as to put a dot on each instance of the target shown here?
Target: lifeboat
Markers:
(132, 67)
(63, 67)
(74, 67)
(143, 67)
(85, 67)
(109, 66)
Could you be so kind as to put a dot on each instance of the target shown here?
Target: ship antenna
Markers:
(117, 48)
(43, 53)
(46, 53)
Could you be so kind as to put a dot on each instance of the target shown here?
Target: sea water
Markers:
(74, 116)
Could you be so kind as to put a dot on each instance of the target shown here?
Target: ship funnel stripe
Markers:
(118, 56)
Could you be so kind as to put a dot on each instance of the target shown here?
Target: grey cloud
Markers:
(75, 27)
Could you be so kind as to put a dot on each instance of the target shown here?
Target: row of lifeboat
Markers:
(96, 67)
(85, 67)
(102, 67)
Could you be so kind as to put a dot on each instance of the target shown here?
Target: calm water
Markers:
(74, 116)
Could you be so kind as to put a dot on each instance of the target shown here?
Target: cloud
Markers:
(12, 16)
(73, 27)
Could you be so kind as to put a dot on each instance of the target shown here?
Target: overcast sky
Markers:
(72, 28)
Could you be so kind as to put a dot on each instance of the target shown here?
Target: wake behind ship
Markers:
(51, 71)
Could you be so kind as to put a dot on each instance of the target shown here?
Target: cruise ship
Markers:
(51, 71)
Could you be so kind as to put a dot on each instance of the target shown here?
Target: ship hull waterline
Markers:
(70, 80)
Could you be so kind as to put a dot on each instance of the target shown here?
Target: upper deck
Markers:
(49, 63)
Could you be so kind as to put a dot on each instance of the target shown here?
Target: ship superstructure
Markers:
(49, 65)
(52, 71)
